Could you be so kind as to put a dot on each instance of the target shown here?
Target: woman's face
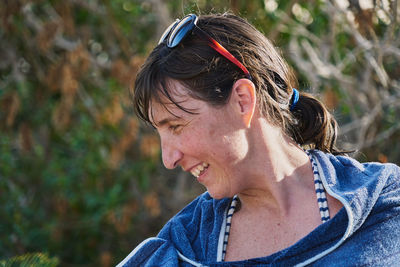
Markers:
(210, 144)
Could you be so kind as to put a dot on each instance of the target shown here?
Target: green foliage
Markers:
(80, 177)
(72, 171)
(30, 259)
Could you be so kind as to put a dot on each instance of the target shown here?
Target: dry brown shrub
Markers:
(79, 60)
(69, 84)
(122, 220)
(10, 105)
(63, 75)
(119, 149)
(105, 259)
(64, 10)
(119, 71)
(61, 116)
(330, 99)
(115, 157)
(61, 206)
(52, 77)
(125, 73)
(135, 63)
(132, 127)
(152, 203)
(364, 21)
(25, 137)
(46, 36)
(114, 113)
(150, 146)
(7, 11)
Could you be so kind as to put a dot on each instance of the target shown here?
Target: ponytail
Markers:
(315, 126)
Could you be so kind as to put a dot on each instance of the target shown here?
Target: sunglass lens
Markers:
(181, 30)
(167, 31)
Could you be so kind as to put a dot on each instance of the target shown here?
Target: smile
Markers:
(198, 170)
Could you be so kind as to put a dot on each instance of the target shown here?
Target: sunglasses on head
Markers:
(178, 30)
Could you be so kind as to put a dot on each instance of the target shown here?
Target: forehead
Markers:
(174, 101)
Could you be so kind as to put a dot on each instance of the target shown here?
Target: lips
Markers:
(199, 169)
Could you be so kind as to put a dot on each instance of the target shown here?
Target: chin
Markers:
(217, 194)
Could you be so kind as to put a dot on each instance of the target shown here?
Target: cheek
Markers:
(192, 141)
(211, 132)
(225, 141)
(237, 147)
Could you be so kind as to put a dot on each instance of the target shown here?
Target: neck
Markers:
(283, 175)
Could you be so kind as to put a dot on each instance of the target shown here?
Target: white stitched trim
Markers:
(190, 261)
(349, 214)
(222, 236)
(133, 252)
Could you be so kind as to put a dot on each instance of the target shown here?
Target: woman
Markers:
(222, 100)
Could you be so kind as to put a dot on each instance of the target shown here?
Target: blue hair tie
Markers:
(294, 99)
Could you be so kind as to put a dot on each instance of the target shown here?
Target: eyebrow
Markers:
(166, 121)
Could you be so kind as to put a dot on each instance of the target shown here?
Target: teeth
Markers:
(201, 167)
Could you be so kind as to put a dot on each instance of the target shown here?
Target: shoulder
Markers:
(352, 173)
(387, 173)
(371, 194)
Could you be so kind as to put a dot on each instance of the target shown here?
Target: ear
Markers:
(243, 97)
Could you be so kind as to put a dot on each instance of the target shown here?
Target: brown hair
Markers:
(209, 77)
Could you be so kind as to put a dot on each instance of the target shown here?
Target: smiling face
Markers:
(210, 144)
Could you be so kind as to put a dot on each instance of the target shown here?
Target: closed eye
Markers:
(175, 128)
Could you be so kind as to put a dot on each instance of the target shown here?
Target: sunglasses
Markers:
(178, 30)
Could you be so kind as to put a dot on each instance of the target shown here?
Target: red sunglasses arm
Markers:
(222, 50)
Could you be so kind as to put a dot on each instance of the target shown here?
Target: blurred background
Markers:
(81, 181)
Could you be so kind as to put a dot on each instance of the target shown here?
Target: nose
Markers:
(171, 155)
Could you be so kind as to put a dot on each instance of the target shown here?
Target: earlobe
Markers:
(245, 99)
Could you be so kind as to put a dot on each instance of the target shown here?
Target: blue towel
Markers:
(366, 231)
